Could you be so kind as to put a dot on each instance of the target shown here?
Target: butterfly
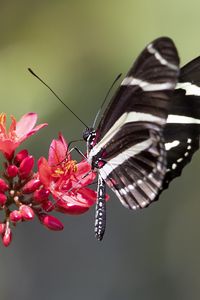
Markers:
(148, 132)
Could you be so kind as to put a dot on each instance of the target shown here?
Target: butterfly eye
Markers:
(86, 133)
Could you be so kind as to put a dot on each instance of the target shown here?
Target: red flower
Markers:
(25, 194)
(64, 178)
(17, 133)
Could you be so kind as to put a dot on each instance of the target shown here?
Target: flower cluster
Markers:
(64, 179)
(60, 184)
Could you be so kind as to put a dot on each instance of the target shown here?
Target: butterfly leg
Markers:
(100, 215)
(78, 151)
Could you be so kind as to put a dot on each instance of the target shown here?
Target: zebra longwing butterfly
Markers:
(148, 132)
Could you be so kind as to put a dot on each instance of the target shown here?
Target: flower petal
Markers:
(33, 131)
(83, 197)
(86, 195)
(82, 169)
(68, 208)
(26, 124)
(58, 151)
(44, 172)
(7, 147)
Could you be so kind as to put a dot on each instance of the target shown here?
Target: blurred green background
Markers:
(79, 47)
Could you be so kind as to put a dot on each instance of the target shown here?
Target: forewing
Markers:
(147, 87)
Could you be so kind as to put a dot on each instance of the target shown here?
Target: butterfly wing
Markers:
(136, 173)
(182, 131)
(130, 135)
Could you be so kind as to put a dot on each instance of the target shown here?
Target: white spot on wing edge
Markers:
(144, 203)
(179, 160)
(171, 145)
(174, 166)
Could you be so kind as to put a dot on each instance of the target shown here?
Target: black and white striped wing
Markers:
(136, 173)
(147, 86)
(182, 131)
(130, 135)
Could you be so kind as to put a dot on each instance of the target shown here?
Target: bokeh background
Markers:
(79, 47)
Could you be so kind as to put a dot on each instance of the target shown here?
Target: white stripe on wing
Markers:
(127, 117)
(190, 88)
(161, 59)
(124, 156)
(182, 120)
(147, 86)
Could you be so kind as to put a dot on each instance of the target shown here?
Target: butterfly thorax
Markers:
(89, 135)
(94, 154)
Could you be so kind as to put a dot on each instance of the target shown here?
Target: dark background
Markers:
(79, 47)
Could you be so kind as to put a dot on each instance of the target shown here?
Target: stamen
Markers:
(66, 167)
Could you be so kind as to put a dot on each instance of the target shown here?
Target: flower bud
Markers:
(3, 185)
(3, 199)
(7, 237)
(31, 186)
(41, 195)
(12, 171)
(20, 156)
(47, 205)
(15, 216)
(2, 228)
(26, 212)
(51, 222)
(26, 167)
(9, 156)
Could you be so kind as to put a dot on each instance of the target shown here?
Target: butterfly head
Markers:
(89, 135)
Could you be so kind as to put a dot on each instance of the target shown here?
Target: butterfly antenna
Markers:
(97, 115)
(31, 71)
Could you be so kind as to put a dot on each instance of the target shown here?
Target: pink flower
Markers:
(17, 133)
(59, 185)
(64, 178)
